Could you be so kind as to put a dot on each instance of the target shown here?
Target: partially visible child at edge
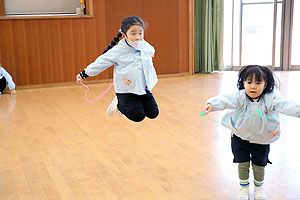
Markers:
(254, 122)
(6, 81)
(134, 73)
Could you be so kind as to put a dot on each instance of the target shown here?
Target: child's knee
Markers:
(152, 112)
(244, 170)
(138, 118)
(258, 172)
(136, 115)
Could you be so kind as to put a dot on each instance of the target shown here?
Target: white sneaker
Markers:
(112, 108)
(120, 115)
(259, 193)
(243, 194)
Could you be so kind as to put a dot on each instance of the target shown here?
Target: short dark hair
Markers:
(260, 73)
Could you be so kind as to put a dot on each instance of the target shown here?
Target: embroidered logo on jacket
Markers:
(127, 81)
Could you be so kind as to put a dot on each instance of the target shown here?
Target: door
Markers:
(295, 36)
(256, 27)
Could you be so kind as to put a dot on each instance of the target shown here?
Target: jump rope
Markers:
(203, 114)
(99, 96)
(260, 114)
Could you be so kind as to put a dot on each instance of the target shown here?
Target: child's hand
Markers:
(207, 108)
(78, 78)
(13, 92)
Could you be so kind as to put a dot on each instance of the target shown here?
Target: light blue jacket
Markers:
(133, 67)
(10, 84)
(256, 122)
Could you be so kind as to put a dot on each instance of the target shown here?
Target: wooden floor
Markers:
(55, 145)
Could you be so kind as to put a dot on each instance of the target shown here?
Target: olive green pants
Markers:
(258, 171)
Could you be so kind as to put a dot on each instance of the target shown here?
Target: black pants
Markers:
(137, 107)
(245, 151)
(2, 84)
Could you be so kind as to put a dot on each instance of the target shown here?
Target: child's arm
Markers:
(207, 108)
(13, 92)
(221, 102)
(10, 83)
(284, 105)
(100, 64)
